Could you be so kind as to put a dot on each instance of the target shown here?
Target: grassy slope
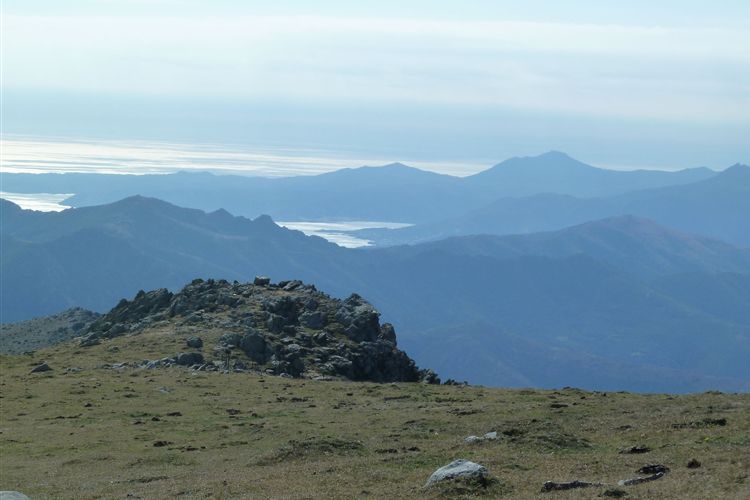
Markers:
(308, 439)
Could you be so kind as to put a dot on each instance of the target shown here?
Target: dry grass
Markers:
(91, 434)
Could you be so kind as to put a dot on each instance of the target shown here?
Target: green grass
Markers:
(91, 434)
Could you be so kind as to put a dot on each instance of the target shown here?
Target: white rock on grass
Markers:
(463, 469)
(490, 436)
(12, 495)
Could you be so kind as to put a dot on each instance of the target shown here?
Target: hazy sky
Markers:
(620, 84)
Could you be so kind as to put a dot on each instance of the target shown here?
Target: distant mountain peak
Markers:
(397, 165)
(554, 154)
(740, 168)
(549, 163)
(138, 199)
(264, 220)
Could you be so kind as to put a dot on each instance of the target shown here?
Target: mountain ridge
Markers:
(576, 297)
(716, 207)
(394, 193)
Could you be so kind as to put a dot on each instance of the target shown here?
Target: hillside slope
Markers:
(645, 309)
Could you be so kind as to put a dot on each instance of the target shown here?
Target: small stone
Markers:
(262, 281)
(490, 436)
(636, 450)
(639, 480)
(653, 469)
(472, 440)
(614, 493)
(571, 485)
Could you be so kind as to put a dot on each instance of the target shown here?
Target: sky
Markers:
(453, 86)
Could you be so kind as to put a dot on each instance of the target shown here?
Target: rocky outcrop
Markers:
(287, 328)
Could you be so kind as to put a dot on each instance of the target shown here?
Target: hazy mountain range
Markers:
(718, 206)
(616, 303)
(393, 192)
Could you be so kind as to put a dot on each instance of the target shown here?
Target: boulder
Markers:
(387, 333)
(230, 339)
(275, 323)
(262, 281)
(315, 320)
(291, 285)
(189, 358)
(12, 495)
(254, 346)
(44, 367)
(458, 469)
(284, 306)
(194, 342)
(359, 318)
(428, 377)
(89, 340)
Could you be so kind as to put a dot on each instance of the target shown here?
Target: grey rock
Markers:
(262, 281)
(116, 331)
(194, 342)
(189, 358)
(12, 495)
(323, 338)
(291, 285)
(458, 469)
(490, 436)
(44, 367)
(571, 485)
(230, 339)
(275, 323)
(89, 340)
(284, 306)
(341, 366)
(314, 320)
(387, 333)
(639, 480)
(293, 349)
(428, 377)
(194, 318)
(254, 346)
